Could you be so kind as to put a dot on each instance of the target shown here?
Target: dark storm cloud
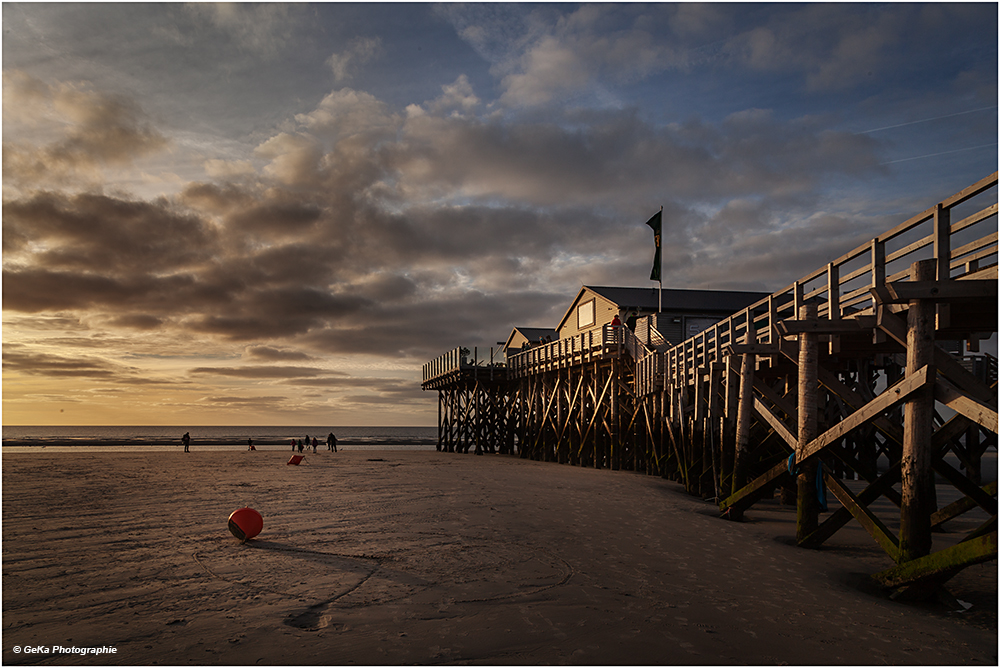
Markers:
(112, 235)
(17, 358)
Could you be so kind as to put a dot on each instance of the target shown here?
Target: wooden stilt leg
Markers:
(919, 501)
(807, 517)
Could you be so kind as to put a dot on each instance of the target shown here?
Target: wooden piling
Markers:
(919, 501)
(807, 515)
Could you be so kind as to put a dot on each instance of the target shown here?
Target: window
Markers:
(585, 315)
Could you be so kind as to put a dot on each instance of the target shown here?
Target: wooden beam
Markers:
(941, 566)
(842, 516)
(872, 524)
(966, 486)
(752, 349)
(845, 326)
(745, 497)
(883, 402)
(963, 505)
(939, 291)
(765, 414)
(978, 412)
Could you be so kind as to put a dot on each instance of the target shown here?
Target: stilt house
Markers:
(684, 313)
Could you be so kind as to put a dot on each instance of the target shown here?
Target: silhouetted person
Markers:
(331, 442)
(250, 444)
(300, 447)
(186, 440)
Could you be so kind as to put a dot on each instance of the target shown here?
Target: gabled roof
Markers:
(647, 299)
(533, 334)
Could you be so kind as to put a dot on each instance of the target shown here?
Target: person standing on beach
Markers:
(250, 444)
(186, 440)
(293, 445)
(300, 447)
(315, 443)
(331, 442)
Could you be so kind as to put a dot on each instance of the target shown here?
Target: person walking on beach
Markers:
(315, 443)
(300, 447)
(186, 440)
(331, 442)
(250, 444)
(293, 445)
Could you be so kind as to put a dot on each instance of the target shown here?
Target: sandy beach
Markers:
(432, 558)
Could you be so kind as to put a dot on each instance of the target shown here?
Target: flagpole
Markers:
(659, 281)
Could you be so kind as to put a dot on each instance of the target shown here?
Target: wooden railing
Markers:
(453, 360)
(847, 287)
(456, 360)
(594, 344)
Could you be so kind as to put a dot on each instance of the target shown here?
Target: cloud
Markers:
(347, 113)
(107, 235)
(594, 44)
(93, 130)
(271, 354)
(18, 359)
(262, 372)
(619, 158)
(456, 98)
(832, 49)
(359, 51)
(376, 235)
(227, 169)
(260, 29)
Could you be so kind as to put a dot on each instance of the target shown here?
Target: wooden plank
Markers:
(941, 566)
(966, 486)
(752, 349)
(883, 402)
(872, 524)
(844, 326)
(904, 291)
(983, 415)
(840, 517)
(961, 506)
(745, 497)
(779, 427)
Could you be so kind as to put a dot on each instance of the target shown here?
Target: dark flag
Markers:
(656, 222)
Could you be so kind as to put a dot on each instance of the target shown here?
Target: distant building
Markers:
(684, 314)
(522, 337)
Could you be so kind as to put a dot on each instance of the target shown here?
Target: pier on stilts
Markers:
(852, 383)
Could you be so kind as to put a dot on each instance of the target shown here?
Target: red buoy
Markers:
(245, 523)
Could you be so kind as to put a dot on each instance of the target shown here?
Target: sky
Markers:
(274, 214)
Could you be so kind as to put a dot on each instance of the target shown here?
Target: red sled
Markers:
(294, 461)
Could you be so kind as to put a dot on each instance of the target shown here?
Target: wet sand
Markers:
(399, 557)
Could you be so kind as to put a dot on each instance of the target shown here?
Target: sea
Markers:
(160, 438)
